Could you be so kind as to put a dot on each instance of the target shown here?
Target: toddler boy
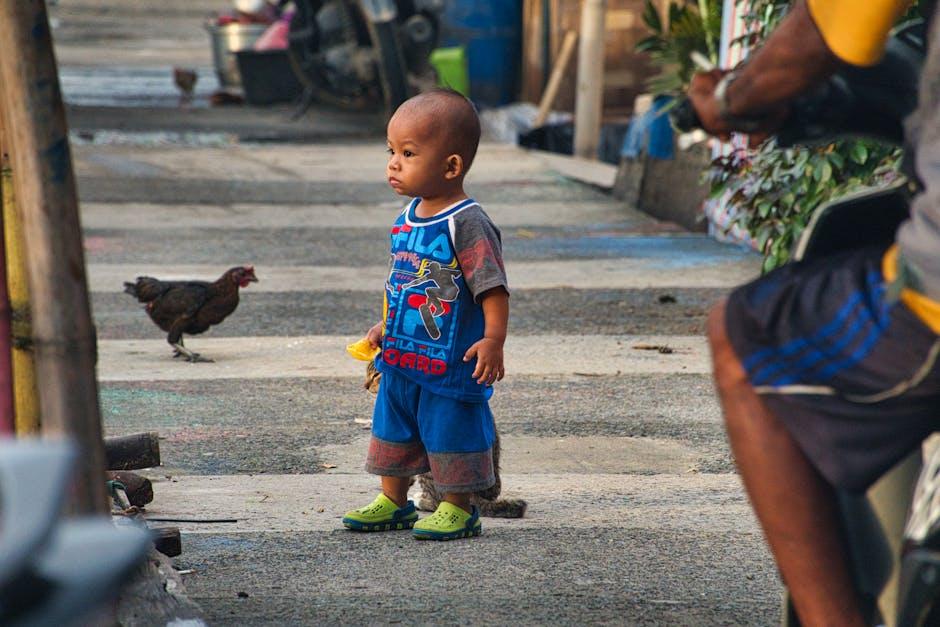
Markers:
(447, 309)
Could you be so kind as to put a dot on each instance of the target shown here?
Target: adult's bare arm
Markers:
(792, 60)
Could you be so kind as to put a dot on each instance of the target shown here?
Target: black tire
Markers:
(303, 41)
(393, 72)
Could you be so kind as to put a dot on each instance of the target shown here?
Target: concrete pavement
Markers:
(635, 513)
(635, 516)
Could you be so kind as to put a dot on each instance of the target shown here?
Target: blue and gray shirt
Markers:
(438, 269)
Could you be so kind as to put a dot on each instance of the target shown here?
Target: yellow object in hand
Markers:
(363, 350)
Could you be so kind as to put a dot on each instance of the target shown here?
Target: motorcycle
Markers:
(360, 54)
(53, 570)
(895, 559)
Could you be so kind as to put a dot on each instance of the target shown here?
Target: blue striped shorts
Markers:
(852, 376)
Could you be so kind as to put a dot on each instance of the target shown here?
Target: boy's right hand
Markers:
(375, 335)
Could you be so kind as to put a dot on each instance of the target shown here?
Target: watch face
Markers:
(721, 93)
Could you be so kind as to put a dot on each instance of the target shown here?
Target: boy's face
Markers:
(418, 165)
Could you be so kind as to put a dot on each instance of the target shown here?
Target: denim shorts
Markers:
(416, 431)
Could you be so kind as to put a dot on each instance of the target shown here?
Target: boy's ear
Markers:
(454, 166)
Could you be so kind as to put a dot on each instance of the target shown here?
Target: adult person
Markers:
(826, 370)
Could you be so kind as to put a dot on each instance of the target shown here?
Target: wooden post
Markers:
(534, 72)
(25, 394)
(132, 452)
(589, 97)
(558, 72)
(63, 335)
(7, 415)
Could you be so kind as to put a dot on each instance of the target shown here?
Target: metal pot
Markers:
(226, 41)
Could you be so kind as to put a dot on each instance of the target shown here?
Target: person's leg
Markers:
(459, 440)
(396, 489)
(460, 499)
(395, 454)
(794, 504)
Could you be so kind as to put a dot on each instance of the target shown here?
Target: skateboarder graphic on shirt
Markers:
(444, 290)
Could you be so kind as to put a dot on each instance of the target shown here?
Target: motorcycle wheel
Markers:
(393, 73)
(391, 68)
(303, 52)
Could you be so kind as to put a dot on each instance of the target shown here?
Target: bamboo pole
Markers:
(589, 96)
(554, 83)
(44, 180)
(8, 424)
(25, 395)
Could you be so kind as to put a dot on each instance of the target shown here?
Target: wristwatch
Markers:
(721, 95)
(744, 124)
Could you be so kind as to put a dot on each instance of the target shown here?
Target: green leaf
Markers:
(763, 236)
(822, 172)
(837, 160)
(769, 264)
(675, 14)
(801, 160)
(859, 153)
(651, 18)
(653, 43)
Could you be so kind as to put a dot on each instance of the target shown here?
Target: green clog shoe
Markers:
(449, 522)
(382, 514)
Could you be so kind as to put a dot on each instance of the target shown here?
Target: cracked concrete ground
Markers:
(635, 513)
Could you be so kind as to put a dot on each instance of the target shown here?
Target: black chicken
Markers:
(191, 307)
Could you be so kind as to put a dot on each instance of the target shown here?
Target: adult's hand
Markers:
(708, 109)
(792, 60)
(702, 95)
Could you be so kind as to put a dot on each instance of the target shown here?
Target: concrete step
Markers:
(214, 191)
(652, 272)
(128, 216)
(298, 503)
(361, 163)
(607, 573)
(276, 357)
(282, 426)
(644, 311)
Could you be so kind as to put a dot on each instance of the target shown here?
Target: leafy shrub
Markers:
(775, 191)
(689, 27)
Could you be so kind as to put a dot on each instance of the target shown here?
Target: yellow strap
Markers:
(856, 30)
(928, 310)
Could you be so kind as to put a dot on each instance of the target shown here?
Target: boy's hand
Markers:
(489, 354)
(375, 335)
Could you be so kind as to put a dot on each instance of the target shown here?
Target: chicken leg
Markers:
(175, 339)
(191, 357)
(176, 352)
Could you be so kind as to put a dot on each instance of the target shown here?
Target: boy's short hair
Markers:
(456, 115)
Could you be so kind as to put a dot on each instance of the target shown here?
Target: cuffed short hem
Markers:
(459, 489)
(395, 472)
(396, 459)
(462, 472)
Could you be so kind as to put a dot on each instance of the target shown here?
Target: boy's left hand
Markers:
(489, 354)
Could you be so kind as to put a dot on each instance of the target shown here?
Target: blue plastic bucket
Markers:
(491, 33)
